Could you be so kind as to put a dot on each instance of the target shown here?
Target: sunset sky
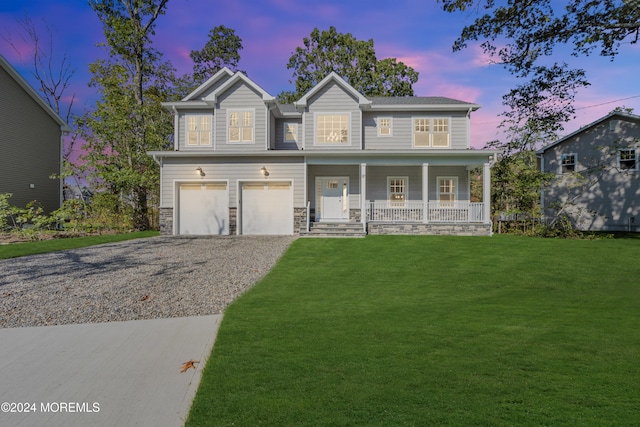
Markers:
(416, 32)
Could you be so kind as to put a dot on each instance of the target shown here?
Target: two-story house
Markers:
(30, 143)
(334, 161)
(595, 175)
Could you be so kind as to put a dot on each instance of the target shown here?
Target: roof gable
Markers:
(33, 94)
(225, 79)
(590, 126)
(221, 74)
(335, 78)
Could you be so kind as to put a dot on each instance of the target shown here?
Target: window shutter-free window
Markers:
(384, 126)
(332, 129)
(241, 126)
(198, 130)
(568, 163)
(627, 159)
(421, 135)
(440, 132)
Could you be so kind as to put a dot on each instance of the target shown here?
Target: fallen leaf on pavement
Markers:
(187, 365)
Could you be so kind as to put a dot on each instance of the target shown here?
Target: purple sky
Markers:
(416, 32)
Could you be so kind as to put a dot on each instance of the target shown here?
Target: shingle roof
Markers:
(415, 100)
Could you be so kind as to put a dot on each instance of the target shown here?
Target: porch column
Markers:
(486, 193)
(425, 192)
(363, 196)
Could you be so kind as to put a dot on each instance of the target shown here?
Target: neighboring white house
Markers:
(335, 161)
(596, 180)
(30, 143)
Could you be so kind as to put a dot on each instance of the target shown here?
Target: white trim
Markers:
(618, 159)
(333, 76)
(379, 126)
(284, 132)
(431, 132)
(575, 163)
(316, 115)
(455, 183)
(209, 117)
(406, 190)
(318, 196)
(229, 111)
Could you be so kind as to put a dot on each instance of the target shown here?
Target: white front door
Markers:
(334, 199)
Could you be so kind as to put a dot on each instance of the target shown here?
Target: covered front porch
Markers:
(400, 195)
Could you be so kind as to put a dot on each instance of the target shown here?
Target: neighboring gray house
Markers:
(597, 179)
(335, 161)
(30, 143)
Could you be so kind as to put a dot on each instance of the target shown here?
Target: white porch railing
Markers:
(413, 211)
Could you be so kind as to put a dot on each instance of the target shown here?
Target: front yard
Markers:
(429, 330)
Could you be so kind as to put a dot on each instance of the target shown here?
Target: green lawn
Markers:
(433, 330)
(13, 250)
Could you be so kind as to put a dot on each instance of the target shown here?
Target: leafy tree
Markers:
(354, 60)
(221, 50)
(128, 119)
(522, 36)
(533, 28)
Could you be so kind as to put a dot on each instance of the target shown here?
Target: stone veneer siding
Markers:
(166, 221)
(299, 220)
(430, 229)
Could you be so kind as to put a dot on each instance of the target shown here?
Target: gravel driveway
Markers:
(158, 277)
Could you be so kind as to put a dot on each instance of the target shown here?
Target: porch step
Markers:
(334, 229)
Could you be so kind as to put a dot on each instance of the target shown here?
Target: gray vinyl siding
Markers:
(377, 185)
(613, 197)
(207, 96)
(279, 135)
(333, 99)
(402, 130)
(241, 97)
(460, 172)
(182, 129)
(29, 148)
(350, 171)
(232, 170)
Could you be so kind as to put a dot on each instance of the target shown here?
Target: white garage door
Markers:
(203, 209)
(267, 208)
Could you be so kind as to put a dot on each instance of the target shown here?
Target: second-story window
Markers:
(627, 159)
(290, 132)
(568, 163)
(332, 128)
(241, 126)
(434, 133)
(384, 126)
(198, 130)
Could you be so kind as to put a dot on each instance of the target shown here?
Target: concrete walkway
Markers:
(103, 374)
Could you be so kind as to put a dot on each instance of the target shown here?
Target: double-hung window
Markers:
(290, 132)
(397, 190)
(628, 159)
(332, 128)
(568, 163)
(384, 126)
(447, 190)
(431, 132)
(198, 129)
(241, 126)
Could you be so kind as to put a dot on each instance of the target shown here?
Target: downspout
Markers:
(176, 130)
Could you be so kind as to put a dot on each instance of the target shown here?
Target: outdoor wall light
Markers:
(264, 171)
(199, 171)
